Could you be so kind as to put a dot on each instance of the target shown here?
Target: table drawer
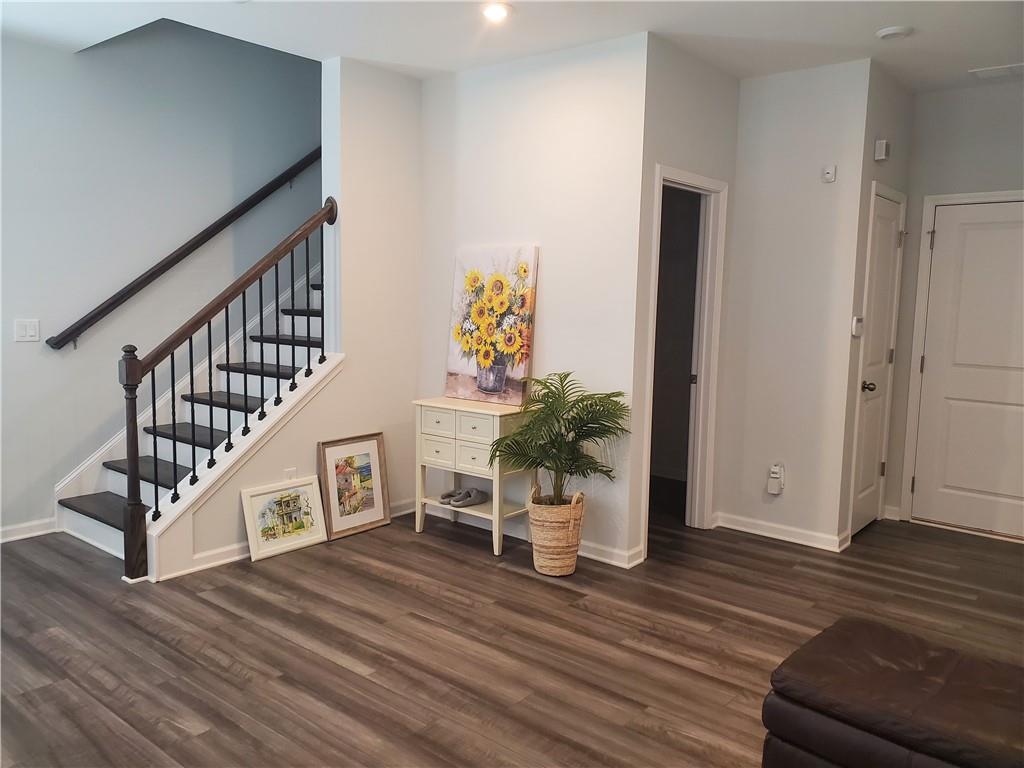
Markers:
(473, 426)
(438, 451)
(437, 421)
(472, 457)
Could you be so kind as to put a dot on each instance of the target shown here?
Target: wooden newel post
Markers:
(130, 376)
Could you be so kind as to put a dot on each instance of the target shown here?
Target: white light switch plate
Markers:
(26, 330)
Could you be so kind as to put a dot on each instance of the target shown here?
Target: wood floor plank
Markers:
(396, 649)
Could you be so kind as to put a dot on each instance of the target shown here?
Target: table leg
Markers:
(421, 507)
(497, 519)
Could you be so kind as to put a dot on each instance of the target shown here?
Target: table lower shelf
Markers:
(485, 510)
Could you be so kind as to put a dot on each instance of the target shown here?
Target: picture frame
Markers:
(283, 516)
(490, 342)
(354, 484)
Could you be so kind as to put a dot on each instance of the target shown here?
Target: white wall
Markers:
(964, 140)
(690, 123)
(787, 301)
(112, 158)
(547, 150)
(376, 180)
(888, 116)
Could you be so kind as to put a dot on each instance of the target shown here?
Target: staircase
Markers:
(212, 416)
(197, 420)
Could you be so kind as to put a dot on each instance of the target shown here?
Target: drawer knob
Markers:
(472, 458)
(473, 427)
(436, 450)
(437, 421)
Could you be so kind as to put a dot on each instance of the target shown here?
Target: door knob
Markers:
(868, 386)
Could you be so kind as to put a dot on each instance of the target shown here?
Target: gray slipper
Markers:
(452, 494)
(473, 497)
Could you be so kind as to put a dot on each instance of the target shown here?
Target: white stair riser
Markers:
(220, 415)
(270, 352)
(92, 531)
(237, 385)
(118, 483)
(163, 446)
(304, 326)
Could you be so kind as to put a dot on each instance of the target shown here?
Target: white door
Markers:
(970, 456)
(877, 340)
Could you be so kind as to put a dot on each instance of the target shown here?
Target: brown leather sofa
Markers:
(864, 695)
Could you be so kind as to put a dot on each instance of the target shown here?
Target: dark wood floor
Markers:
(392, 649)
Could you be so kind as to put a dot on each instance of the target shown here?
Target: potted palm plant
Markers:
(562, 421)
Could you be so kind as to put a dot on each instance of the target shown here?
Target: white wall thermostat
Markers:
(776, 479)
(828, 174)
(882, 149)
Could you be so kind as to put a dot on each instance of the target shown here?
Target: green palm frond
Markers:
(562, 420)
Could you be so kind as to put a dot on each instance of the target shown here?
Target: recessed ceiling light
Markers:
(894, 33)
(496, 12)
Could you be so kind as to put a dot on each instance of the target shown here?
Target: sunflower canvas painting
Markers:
(491, 341)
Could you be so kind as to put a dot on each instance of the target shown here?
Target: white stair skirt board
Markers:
(28, 530)
(173, 549)
(782, 532)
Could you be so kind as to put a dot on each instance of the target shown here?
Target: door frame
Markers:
(924, 272)
(878, 189)
(707, 327)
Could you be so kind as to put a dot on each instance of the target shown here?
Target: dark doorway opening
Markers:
(674, 373)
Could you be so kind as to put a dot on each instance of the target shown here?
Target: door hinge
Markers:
(693, 378)
(901, 238)
(892, 355)
(883, 469)
(921, 368)
(913, 482)
(931, 239)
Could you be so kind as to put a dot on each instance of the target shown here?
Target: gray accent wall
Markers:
(112, 157)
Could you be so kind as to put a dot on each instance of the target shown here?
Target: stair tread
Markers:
(286, 339)
(182, 433)
(268, 370)
(237, 402)
(105, 507)
(317, 286)
(302, 312)
(162, 475)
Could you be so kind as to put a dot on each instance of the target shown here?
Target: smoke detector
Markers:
(894, 33)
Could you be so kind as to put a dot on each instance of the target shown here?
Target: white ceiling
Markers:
(744, 38)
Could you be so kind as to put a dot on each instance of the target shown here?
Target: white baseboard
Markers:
(781, 532)
(28, 530)
(622, 558)
(891, 512)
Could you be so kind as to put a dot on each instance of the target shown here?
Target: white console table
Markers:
(456, 436)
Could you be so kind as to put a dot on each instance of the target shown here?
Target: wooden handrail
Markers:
(180, 253)
(328, 214)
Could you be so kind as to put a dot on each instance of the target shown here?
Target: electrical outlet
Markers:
(26, 330)
(289, 474)
(828, 174)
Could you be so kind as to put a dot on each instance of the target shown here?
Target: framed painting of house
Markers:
(283, 516)
(354, 483)
(491, 332)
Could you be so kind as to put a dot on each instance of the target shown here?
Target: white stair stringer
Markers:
(175, 544)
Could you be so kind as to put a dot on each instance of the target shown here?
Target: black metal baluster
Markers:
(245, 364)
(309, 318)
(323, 317)
(211, 462)
(192, 403)
(227, 359)
(277, 330)
(156, 454)
(174, 443)
(291, 272)
(263, 397)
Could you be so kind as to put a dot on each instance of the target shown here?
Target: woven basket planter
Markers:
(555, 530)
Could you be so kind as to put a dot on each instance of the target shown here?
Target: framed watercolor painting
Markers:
(283, 516)
(354, 483)
(491, 332)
